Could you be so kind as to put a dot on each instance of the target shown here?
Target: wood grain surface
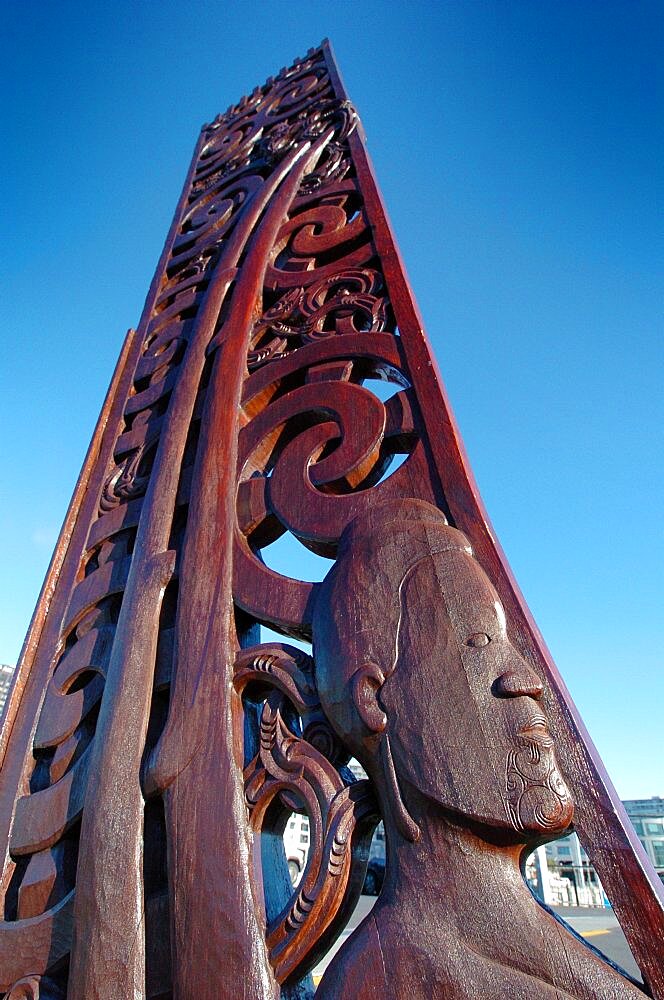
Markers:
(153, 747)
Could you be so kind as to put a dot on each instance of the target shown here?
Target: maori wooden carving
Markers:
(153, 747)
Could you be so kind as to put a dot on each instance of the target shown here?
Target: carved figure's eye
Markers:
(478, 639)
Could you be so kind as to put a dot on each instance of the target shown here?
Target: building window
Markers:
(658, 850)
(304, 838)
(638, 826)
(654, 827)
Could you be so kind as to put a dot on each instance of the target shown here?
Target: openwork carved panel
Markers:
(154, 747)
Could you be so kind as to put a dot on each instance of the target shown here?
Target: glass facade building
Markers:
(647, 816)
(6, 674)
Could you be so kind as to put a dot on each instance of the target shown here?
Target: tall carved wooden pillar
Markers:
(153, 747)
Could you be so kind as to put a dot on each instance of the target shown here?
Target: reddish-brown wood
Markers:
(446, 717)
(154, 748)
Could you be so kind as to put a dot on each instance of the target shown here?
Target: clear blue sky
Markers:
(519, 149)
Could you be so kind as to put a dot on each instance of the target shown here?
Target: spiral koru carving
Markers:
(313, 457)
(299, 772)
(128, 478)
(536, 795)
(343, 303)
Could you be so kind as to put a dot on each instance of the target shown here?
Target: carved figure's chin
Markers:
(541, 810)
(537, 799)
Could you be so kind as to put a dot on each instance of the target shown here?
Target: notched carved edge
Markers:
(302, 774)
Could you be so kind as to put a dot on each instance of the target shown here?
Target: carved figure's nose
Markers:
(517, 681)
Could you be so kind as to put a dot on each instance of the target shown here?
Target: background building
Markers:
(296, 845)
(561, 874)
(647, 816)
(6, 674)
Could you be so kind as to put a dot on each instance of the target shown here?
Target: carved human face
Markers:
(465, 720)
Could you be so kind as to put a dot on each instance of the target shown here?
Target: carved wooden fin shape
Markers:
(300, 773)
(243, 408)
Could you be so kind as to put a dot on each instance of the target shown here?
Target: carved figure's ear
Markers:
(366, 683)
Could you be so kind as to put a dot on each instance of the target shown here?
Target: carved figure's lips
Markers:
(536, 731)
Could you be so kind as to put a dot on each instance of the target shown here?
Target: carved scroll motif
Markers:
(300, 771)
(347, 302)
(317, 444)
(534, 789)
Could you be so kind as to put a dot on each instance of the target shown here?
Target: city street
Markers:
(599, 927)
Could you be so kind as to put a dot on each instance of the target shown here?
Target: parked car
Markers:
(373, 880)
(296, 862)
